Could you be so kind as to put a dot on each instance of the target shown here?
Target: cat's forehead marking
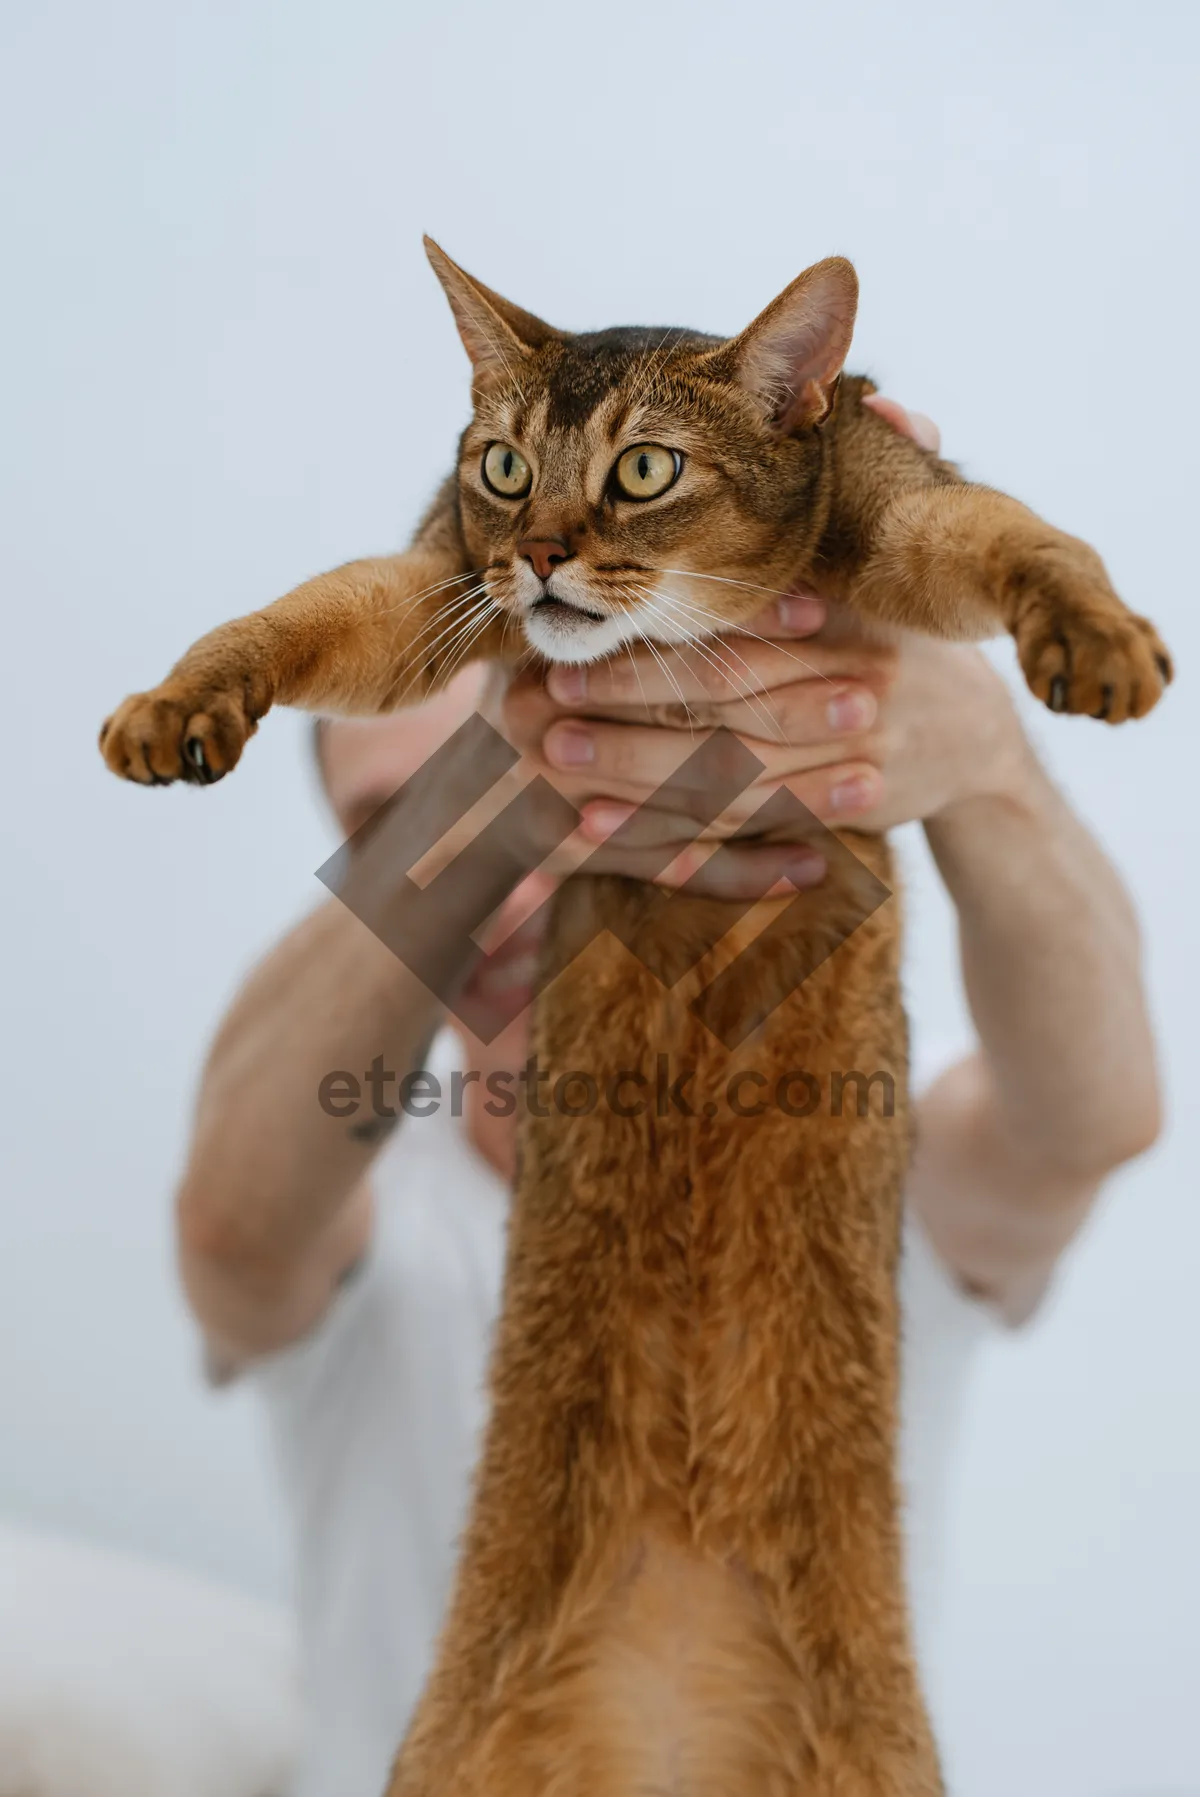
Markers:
(525, 419)
(592, 366)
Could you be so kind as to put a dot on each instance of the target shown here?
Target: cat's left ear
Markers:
(496, 334)
(791, 356)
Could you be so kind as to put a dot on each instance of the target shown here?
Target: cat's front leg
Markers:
(966, 562)
(372, 636)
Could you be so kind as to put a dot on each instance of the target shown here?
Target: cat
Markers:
(682, 1569)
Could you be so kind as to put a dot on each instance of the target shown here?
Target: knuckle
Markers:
(772, 708)
(671, 715)
(714, 682)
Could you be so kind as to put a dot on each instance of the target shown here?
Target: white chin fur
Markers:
(563, 639)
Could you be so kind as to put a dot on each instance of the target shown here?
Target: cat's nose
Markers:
(544, 554)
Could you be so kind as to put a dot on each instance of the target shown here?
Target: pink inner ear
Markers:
(794, 351)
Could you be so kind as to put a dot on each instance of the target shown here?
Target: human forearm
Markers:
(267, 1159)
(1051, 962)
(273, 1205)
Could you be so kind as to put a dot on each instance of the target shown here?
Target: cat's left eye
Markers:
(506, 471)
(647, 470)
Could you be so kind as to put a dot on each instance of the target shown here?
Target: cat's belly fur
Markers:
(682, 1574)
(685, 1690)
(675, 1685)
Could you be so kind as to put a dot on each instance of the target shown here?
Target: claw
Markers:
(193, 748)
(1058, 694)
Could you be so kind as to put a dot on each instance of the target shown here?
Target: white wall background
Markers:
(228, 366)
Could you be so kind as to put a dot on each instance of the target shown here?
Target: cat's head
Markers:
(640, 483)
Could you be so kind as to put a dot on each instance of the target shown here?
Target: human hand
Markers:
(865, 734)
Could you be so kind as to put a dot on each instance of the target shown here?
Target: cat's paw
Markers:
(1082, 651)
(177, 733)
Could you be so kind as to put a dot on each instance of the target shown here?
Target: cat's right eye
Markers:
(506, 471)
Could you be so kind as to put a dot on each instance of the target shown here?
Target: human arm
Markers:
(274, 1206)
(1016, 1141)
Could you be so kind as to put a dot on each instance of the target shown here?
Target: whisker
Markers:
(448, 617)
(672, 683)
(790, 653)
(695, 612)
(756, 706)
(636, 592)
(460, 626)
(710, 648)
(428, 592)
(475, 630)
(629, 592)
(710, 653)
(728, 581)
(628, 648)
(455, 631)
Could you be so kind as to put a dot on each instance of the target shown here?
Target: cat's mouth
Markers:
(565, 611)
(565, 620)
(566, 629)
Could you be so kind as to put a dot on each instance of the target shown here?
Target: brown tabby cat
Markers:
(682, 1572)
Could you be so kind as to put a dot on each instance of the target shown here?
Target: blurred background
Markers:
(228, 366)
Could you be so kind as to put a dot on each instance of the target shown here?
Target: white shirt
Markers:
(377, 1416)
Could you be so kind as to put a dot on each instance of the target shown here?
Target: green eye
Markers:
(647, 470)
(506, 471)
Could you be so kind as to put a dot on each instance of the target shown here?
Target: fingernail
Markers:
(570, 747)
(854, 794)
(807, 869)
(850, 709)
(801, 612)
(568, 685)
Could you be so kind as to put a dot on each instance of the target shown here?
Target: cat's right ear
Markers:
(497, 335)
(790, 358)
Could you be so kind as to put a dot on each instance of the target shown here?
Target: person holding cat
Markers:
(352, 1268)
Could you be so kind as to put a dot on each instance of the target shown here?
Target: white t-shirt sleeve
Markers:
(301, 1379)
